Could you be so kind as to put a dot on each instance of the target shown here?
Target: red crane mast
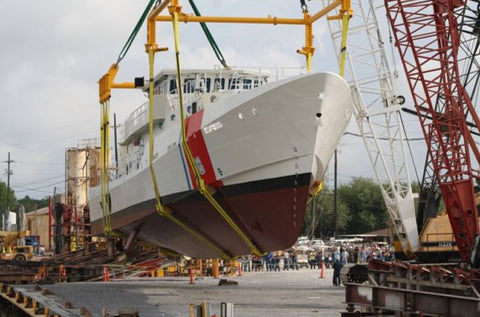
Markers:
(428, 40)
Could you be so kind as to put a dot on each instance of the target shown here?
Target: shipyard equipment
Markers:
(428, 35)
(377, 114)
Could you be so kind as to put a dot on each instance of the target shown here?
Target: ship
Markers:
(261, 147)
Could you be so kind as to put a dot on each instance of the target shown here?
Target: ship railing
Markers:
(137, 119)
(233, 83)
(275, 72)
(88, 143)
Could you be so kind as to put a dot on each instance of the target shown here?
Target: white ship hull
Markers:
(262, 150)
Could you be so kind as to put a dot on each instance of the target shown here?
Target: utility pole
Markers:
(9, 172)
(335, 212)
(7, 208)
(312, 235)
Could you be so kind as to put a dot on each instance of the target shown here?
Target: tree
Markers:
(324, 226)
(360, 209)
(32, 204)
(3, 197)
(366, 205)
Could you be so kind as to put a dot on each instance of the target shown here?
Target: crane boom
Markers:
(427, 39)
(377, 113)
(468, 20)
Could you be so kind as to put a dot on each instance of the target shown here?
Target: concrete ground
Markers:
(284, 293)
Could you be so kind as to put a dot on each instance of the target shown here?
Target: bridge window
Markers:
(173, 86)
(233, 83)
(189, 85)
(247, 84)
(219, 84)
(207, 83)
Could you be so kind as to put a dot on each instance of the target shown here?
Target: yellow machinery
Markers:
(19, 253)
(11, 251)
(437, 242)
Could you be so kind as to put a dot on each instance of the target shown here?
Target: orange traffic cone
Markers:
(42, 273)
(215, 269)
(106, 274)
(239, 269)
(322, 270)
(63, 274)
(191, 275)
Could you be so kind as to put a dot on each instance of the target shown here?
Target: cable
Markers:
(38, 182)
(24, 188)
(209, 36)
(134, 33)
(35, 190)
(303, 6)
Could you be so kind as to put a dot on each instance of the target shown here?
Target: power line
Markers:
(33, 190)
(38, 182)
(24, 188)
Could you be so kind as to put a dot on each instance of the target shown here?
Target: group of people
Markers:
(350, 254)
(272, 261)
(332, 257)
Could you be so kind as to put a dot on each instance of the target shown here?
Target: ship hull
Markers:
(269, 211)
(260, 152)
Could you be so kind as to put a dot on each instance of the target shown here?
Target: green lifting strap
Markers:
(209, 36)
(134, 33)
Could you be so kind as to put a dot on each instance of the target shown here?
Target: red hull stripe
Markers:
(199, 150)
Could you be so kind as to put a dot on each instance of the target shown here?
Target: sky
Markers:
(54, 52)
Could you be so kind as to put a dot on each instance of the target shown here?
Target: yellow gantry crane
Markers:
(175, 15)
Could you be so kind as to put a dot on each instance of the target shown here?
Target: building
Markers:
(37, 223)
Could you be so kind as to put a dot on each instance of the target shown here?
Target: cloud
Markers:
(54, 52)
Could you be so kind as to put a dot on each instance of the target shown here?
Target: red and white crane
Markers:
(428, 40)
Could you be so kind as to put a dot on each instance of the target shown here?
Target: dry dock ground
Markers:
(284, 293)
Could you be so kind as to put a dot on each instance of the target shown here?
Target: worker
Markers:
(119, 245)
(336, 255)
(328, 258)
(344, 256)
(276, 261)
(319, 258)
(246, 263)
(286, 260)
(337, 267)
(294, 260)
(312, 261)
(356, 255)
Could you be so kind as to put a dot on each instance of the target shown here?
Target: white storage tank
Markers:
(12, 221)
